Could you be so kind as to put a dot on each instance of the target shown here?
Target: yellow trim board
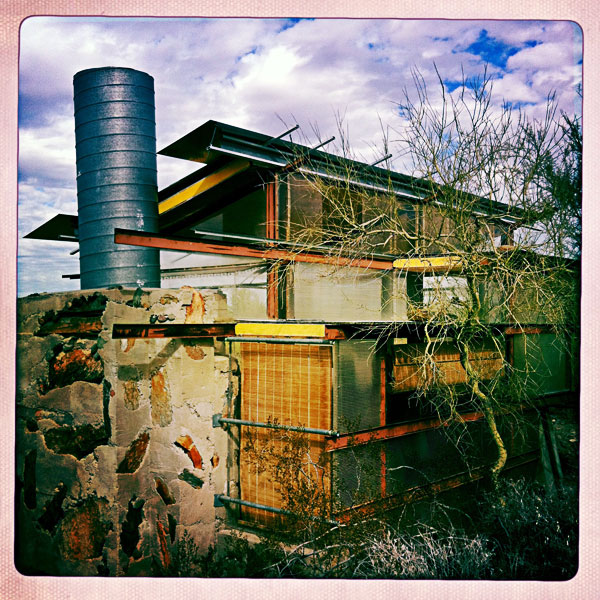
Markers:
(281, 329)
(429, 263)
(205, 184)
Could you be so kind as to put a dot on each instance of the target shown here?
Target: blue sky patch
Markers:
(452, 85)
(491, 50)
(289, 23)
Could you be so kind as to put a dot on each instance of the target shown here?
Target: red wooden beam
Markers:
(151, 240)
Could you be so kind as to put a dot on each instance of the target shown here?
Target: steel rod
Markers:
(273, 509)
(327, 432)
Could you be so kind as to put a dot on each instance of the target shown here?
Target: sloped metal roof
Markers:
(214, 141)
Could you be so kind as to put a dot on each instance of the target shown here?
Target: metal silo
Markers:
(116, 175)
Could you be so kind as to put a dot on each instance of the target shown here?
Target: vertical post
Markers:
(272, 231)
(510, 350)
(382, 422)
(273, 291)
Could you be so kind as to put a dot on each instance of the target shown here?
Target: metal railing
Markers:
(219, 420)
(220, 499)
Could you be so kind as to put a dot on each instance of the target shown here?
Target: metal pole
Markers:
(218, 420)
(220, 498)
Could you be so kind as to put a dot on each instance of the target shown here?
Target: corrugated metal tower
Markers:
(115, 139)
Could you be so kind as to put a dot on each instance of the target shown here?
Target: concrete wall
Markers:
(116, 453)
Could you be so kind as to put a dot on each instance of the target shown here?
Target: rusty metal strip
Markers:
(529, 330)
(82, 327)
(393, 431)
(149, 240)
(172, 330)
(421, 492)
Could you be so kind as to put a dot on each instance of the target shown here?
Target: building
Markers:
(328, 341)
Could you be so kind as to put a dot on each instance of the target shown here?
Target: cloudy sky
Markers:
(260, 74)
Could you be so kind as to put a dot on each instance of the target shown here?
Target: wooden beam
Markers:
(150, 240)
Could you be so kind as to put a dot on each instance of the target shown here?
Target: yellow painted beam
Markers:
(281, 329)
(431, 263)
(198, 187)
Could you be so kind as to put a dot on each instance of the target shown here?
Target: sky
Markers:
(265, 75)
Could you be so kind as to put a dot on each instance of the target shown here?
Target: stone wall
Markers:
(116, 453)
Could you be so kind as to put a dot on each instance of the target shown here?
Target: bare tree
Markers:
(487, 239)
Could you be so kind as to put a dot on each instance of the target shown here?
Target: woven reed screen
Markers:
(411, 371)
(289, 384)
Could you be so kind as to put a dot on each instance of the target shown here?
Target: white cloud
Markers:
(258, 74)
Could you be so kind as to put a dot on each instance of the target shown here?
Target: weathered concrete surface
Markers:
(116, 452)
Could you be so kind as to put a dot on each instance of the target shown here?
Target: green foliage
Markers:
(236, 557)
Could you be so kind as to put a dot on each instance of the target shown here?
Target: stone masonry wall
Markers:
(116, 453)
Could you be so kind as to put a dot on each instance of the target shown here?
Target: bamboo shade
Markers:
(412, 371)
(289, 384)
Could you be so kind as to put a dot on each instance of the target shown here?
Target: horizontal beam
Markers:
(150, 240)
(82, 327)
(280, 340)
(219, 420)
(529, 330)
(182, 330)
(304, 330)
(419, 493)
(172, 330)
(432, 264)
(222, 498)
(393, 431)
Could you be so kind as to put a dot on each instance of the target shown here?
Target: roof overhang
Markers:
(60, 228)
(216, 142)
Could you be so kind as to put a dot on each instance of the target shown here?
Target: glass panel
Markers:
(329, 293)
